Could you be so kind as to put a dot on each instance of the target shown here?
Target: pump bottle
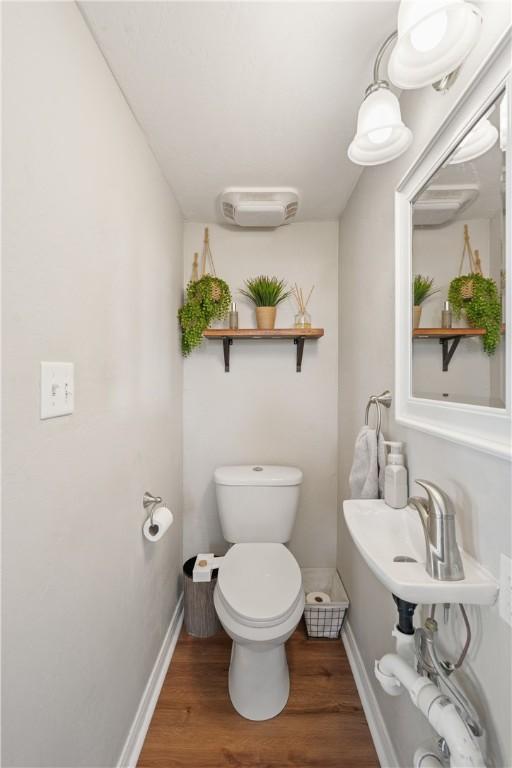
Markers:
(395, 476)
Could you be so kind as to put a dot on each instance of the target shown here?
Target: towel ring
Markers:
(385, 399)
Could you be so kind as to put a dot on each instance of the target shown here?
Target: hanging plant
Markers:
(482, 307)
(207, 299)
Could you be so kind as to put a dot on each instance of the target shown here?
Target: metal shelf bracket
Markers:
(449, 351)
(227, 342)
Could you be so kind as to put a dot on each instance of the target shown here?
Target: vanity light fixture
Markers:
(381, 135)
(434, 38)
(480, 139)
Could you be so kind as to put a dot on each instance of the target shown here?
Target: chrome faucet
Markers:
(437, 515)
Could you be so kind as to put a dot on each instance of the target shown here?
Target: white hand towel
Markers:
(381, 459)
(364, 475)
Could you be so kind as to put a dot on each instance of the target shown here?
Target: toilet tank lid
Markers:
(258, 474)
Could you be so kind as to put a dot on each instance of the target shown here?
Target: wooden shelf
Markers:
(298, 335)
(443, 333)
(447, 335)
(255, 333)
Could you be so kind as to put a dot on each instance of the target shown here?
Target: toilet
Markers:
(259, 597)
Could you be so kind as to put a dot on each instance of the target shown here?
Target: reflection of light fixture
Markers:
(434, 38)
(381, 135)
(477, 142)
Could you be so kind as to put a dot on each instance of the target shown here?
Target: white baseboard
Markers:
(139, 728)
(383, 744)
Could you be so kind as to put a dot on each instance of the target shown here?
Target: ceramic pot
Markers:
(265, 318)
(416, 317)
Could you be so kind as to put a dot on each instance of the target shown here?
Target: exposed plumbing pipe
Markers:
(395, 675)
(465, 707)
(426, 759)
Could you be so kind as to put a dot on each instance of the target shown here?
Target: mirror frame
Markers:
(481, 427)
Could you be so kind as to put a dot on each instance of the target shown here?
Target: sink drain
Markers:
(404, 559)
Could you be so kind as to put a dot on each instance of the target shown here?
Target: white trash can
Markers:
(324, 619)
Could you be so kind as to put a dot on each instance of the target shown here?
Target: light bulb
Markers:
(380, 135)
(430, 32)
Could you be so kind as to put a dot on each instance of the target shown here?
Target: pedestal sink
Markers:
(392, 543)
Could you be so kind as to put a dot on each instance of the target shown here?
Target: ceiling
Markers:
(246, 93)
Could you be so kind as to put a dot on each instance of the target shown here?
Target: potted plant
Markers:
(481, 306)
(207, 299)
(422, 290)
(266, 293)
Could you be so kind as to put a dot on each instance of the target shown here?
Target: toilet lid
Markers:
(260, 583)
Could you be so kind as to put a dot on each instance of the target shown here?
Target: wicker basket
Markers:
(216, 293)
(466, 289)
(326, 619)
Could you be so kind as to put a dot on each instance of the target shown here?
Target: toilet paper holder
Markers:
(148, 500)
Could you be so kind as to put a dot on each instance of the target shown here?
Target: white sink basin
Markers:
(383, 534)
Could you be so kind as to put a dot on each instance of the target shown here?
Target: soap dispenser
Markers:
(395, 476)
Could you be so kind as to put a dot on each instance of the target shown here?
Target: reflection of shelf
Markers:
(445, 335)
(299, 335)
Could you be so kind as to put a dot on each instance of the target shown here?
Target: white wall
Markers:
(478, 484)
(263, 411)
(92, 273)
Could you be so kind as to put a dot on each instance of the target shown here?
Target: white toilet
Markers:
(259, 597)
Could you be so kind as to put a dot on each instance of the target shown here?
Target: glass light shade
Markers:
(381, 135)
(478, 141)
(434, 38)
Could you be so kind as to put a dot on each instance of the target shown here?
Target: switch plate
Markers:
(57, 389)
(505, 597)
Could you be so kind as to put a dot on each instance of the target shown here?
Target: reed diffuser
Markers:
(302, 318)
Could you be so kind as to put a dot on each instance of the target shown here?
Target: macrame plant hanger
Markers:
(195, 269)
(208, 259)
(475, 266)
(207, 255)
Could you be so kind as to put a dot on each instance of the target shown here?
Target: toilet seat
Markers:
(259, 585)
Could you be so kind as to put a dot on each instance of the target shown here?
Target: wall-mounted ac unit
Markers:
(259, 206)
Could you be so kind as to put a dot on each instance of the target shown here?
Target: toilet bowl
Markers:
(258, 597)
(259, 601)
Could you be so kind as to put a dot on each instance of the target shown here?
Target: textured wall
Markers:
(263, 411)
(92, 273)
(478, 483)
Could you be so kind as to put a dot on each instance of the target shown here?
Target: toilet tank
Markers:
(257, 502)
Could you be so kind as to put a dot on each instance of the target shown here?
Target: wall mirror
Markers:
(453, 356)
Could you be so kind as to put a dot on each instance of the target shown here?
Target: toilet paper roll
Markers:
(162, 520)
(317, 598)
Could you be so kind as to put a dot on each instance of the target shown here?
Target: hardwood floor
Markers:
(195, 725)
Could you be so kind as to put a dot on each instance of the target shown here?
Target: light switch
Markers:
(57, 389)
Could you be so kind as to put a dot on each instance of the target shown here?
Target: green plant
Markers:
(207, 299)
(482, 309)
(265, 291)
(422, 289)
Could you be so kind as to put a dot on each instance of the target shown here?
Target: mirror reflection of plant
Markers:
(265, 291)
(207, 299)
(482, 310)
(422, 289)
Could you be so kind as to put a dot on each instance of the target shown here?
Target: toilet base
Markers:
(259, 681)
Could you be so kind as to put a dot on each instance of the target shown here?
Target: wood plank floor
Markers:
(195, 725)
